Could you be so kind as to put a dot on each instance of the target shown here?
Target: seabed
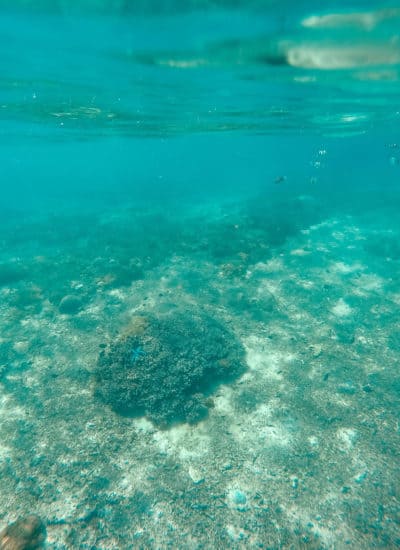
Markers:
(299, 452)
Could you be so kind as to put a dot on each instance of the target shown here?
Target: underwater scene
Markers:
(199, 274)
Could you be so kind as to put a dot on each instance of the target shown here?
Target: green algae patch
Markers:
(166, 367)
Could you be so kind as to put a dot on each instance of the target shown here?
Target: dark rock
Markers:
(166, 366)
(70, 304)
(345, 333)
(27, 533)
(367, 388)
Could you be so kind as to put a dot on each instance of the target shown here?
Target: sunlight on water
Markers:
(226, 71)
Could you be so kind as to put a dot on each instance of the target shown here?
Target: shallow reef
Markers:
(165, 367)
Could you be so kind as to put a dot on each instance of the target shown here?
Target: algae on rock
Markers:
(168, 366)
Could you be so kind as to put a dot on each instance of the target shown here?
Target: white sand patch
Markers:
(133, 477)
(395, 297)
(274, 435)
(273, 288)
(341, 309)
(117, 293)
(9, 409)
(273, 265)
(265, 360)
(5, 292)
(300, 316)
(5, 452)
(31, 381)
(76, 285)
(197, 447)
(305, 283)
(318, 226)
(268, 289)
(347, 437)
(163, 443)
(196, 475)
(344, 269)
(369, 283)
(21, 346)
(32, 323)
(262, 428)
(246, 377)
(223, 402)
(300, 252)
(185, 442)
(40, 362)
(144, 425)
(313, 441)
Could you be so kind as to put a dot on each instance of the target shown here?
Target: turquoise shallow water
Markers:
(199, 275)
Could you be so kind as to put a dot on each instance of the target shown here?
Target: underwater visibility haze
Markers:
(199, 274)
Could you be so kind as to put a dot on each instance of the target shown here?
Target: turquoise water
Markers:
(199, 275)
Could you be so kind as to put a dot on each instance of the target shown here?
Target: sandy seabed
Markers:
(300, 452)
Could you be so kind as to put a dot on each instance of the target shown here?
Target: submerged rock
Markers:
(27, 533)
(167, 365)
(70, 304)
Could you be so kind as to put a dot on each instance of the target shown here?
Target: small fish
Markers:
(280, 179)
